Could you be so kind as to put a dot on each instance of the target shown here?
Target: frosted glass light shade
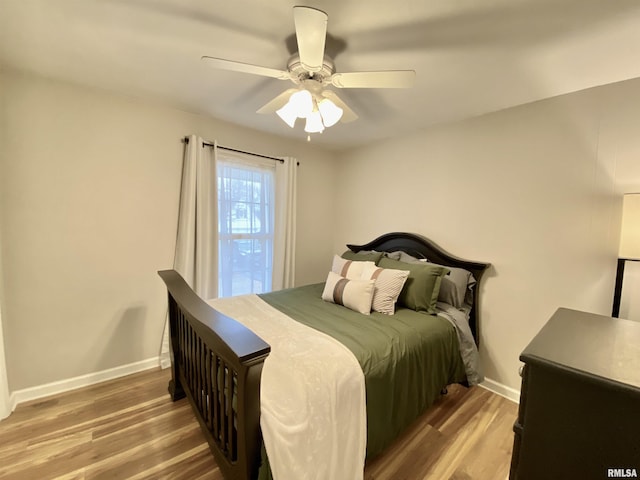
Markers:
(314, 123)
(630, 232)
(330, 112)
(288, 114)
(302, 102)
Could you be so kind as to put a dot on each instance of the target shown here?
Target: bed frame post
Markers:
(175, 386)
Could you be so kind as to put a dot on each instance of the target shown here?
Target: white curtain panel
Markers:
(196, 257)
(284, 244)
(196, 254)
(5, 399)
(6, 406)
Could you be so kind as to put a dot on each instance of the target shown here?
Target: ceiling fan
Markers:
(311, 70)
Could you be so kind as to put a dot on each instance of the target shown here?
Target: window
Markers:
(245, 225)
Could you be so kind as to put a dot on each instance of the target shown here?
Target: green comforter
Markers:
(406, 358)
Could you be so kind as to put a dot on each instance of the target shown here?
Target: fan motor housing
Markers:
(298, 71)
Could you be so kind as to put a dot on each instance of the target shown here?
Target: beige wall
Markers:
(89, 197)
(621, 124)
(88, 202)
(533, 190)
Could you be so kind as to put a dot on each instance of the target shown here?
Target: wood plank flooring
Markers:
(130, 429)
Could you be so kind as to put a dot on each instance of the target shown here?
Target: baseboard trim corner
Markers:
(502, 390)
(61, 386)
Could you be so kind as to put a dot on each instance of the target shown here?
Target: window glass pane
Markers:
(245, 226)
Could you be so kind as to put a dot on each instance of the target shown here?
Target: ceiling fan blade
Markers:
(348, 115)
(388, 79)
(311, 33)
(246, 68)
(278, 102)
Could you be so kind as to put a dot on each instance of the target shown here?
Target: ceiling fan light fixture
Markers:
(311, 69)
(314, 123)
(330, 112)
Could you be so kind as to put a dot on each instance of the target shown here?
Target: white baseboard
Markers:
(502, 390)
(33, 393)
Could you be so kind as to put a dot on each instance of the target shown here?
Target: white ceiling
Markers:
(470, 57)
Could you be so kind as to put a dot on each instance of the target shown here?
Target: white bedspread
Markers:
(312, 397)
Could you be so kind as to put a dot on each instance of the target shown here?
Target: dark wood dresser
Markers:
(579, 414)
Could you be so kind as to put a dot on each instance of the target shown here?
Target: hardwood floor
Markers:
(466, 435)
(129, 429)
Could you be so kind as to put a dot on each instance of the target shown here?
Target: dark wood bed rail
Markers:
(216, 363)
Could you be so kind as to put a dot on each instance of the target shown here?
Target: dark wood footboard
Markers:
(216, 363)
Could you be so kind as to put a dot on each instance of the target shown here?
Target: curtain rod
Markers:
(209, 144)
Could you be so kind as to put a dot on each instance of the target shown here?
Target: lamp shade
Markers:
(630, 232)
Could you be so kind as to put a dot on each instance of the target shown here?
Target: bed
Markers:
(217, 362)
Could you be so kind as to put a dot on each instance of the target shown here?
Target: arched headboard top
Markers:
(421, 247)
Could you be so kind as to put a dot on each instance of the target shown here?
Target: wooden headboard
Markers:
(421, 247)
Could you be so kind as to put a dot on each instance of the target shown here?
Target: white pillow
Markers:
(350, 269)
(389, 283)
(353, 294)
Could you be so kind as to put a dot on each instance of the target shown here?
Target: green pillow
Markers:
(420, 291)
(369, 256)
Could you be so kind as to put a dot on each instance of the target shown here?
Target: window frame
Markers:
(230, 269)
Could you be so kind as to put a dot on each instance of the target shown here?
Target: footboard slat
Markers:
(201, 373)
(217, 364)
(223, 408)
(207, 377)
(233, 432)
(229, 412)
(216, 397)
(203, 381)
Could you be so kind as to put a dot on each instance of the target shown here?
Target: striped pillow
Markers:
(353, 294)
(389, 283)
(349, 268)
